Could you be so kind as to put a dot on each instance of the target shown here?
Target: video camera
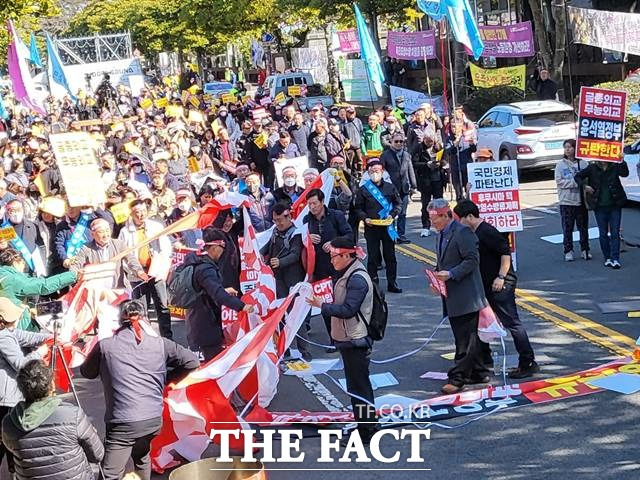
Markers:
(49, 308)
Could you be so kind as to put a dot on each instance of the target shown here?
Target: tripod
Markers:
(56, 351)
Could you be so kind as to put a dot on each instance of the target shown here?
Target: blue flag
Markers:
(57, 80)
(3, 111)
(34, 55)
(369, 53)
(461, 19)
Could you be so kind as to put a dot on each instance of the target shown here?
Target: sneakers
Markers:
(425, 232)
(524, 371)
(586, 255)
(608, 263)
(615, 264)
(568, 257)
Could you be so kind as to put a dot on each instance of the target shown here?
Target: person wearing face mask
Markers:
(290, 191)
(238, 184)
(202, 160)
(162, 165)
(335, 142)
(243, 142)
(224, 120)
(342, 193)
(422, 126)
(300, 132)
(19, 287)
(71, 234)
(392, 129)
(163, 199)
(260, 211)
(28, 240)
(186, 238)
(13, 358)
(398, 111)
(367, 208)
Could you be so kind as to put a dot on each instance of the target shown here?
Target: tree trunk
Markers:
(559, 55)
(544, 47)
(332, 68)
(460, 60)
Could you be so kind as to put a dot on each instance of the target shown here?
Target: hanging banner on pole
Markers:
(618, 31)
(508, 41)
(349, 42)
(355, 81)
(601, 117)
(494, 77)
(412, 45)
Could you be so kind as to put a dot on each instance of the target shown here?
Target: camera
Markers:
(49, 308)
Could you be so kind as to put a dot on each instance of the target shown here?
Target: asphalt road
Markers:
(583, 437)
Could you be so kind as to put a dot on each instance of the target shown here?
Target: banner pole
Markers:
(567, 44)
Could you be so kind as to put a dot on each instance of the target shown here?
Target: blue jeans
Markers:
(401, 220)
(608, 220)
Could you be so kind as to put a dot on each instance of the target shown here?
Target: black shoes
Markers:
(394, 288)
(403, 241)
(524, 371)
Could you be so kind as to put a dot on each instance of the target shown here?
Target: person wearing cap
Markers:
(421, 127)
(392, 128)
(135, 231)
(224, 120)
(13, 342)
(353, 130)
(262, 204)
(397, 162)
(372, 135)
(184, 206)
(318, 157)
(204, 327)
(352, 306)
(458, 266)
(289, 192)
(134, 366)
(335, 142)
(48, 437)
(367, 209)
(102, 248)
(398, 111)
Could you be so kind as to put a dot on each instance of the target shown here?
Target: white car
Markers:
(530, 132)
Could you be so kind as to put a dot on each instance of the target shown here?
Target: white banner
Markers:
(618, 31)
(299, 163)
(413, 100)
(118, 70)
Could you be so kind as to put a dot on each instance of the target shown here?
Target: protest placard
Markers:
(299, 163)
(195, 101)
(495, 189)
(78, 165)
(349, 42)
(184, 97)
(195, 116)
(294, 91)
(280, 98)
(601, 124)
(7, 234)
(507, 41)
(146, 103)
(228, 98)
(412, 45)
(120, 212)
(161, 102)
(494, 77)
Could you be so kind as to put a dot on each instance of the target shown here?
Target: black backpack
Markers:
(180, 289)
(379, 312)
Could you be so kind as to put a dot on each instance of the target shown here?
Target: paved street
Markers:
(585, 437)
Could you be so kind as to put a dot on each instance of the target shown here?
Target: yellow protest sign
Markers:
(508, 76)
(261, 140)
(184, 97)
(195, 117)
(281, 97)
(121, 212)
(40, 184)
(246, 99)
(146, 103)
(207, 98)
(193, 89)
(131, 147)
(174, 111)
(294, 91)
(228, 98)
(162, 102)
(91, 102)
(194, 101)
(381, 222)
(193, 164)
(7, 234)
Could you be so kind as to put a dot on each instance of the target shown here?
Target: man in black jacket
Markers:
(376, 229)
(133, 366)
(49, 438)
(283, 253)
(204, 326)
(397, 162)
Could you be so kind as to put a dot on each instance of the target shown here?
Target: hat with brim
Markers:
(55, 206)
(484, 153)
(10, 312)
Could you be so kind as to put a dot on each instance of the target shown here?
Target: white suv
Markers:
(530, 132)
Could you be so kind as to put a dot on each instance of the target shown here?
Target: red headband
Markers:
(359, 251)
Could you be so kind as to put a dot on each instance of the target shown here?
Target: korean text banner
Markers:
(349, 42)
(412, 45)
(509, 41)
(495, 189)
(413, 99)
(601, 118)
(618, 31)
(508, 76)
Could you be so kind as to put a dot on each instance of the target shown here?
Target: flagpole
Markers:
(373, 106)
(451, 73)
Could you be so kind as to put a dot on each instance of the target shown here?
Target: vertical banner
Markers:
(355, 81)
(495, 189)
(601, 124)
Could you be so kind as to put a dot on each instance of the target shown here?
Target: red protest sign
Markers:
(436, 283)
(324, 289)
(601, 124)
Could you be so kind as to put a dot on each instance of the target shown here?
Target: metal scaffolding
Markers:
(99, 48)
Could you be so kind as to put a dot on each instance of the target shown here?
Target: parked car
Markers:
(530, 132)
(274, 84)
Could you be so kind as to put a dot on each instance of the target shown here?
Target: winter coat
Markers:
(51, 439)
(568, 189)
(332, 225)
(599, 180)
(400, 169)
(260, 211)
